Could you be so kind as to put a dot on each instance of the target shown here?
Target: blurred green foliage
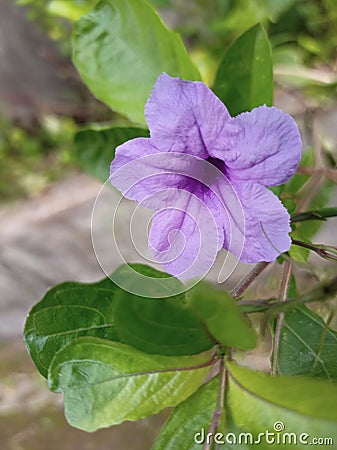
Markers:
(302, 34)
(308, 27)
(32, 158)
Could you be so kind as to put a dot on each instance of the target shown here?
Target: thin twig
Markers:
(220, 404)
(279, 322)
(246, 281)
(324, 251)
(327, 173)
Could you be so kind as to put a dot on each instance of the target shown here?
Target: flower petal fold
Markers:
(185, 238)
(140, 170)
(184, 116)
(267, 149)
(267, 224)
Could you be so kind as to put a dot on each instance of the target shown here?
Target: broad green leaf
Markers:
(245, 76)
(147, 281)
(70, 9)
(188, 426)
(164, 326)
(67, 311)
(95, 149)
(188, 419)
(222, 317)
(120, 49)
(105, 383)
(307, 345)
(257, 401)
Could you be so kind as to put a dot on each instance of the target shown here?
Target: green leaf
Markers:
(70, 9)
(120, 49)
(164, 326)
(222, 317)
(307, 345)
(245, 76)
(95, 149)
(188, 419)
(298, 253)
(67, 311)
(147, 282)
(304, 405)
(106, 383)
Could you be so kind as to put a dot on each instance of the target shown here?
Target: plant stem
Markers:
(220, 404)
(316, 214)
(324, 251)
(246, 281)
(258, 305)
(287, 270)
(319, 293)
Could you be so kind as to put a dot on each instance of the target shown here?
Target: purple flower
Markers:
(196, 157)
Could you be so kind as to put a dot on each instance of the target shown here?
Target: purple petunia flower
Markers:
(197, 156)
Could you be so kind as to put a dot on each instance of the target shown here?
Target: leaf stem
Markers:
(287, 270)
(246, 281)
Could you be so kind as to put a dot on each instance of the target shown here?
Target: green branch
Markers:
(316, 214)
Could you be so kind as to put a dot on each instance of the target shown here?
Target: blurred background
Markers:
(46, 197)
